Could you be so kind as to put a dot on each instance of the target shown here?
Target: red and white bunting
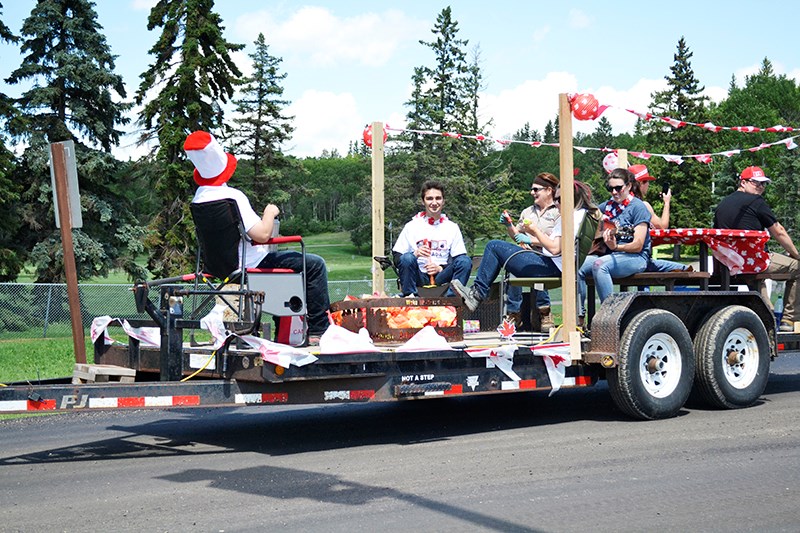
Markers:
(788, 143)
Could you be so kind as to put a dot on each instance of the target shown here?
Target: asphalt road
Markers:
(518, 462)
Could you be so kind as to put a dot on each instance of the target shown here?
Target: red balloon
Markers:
(584, 106)
(368, 135)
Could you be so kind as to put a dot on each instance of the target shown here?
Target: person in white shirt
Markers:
(213, 168)
(430, 246)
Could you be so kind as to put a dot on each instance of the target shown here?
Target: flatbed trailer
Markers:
(652, 347)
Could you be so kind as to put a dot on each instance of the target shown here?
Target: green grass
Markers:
(32, 359)
(344, 262)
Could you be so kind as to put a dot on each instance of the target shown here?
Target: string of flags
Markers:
(587, 107)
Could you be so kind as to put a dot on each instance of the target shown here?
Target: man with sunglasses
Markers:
(747, 209)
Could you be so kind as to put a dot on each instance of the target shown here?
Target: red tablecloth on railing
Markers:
(742, 251)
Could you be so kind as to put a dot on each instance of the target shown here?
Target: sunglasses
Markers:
(614, 188)
(757, 183)
(537, 189)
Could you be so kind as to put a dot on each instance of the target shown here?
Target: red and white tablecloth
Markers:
(742, 251)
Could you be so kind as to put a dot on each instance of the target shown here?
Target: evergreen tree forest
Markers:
(136, 213)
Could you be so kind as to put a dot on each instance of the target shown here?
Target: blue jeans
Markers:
(524, 264)
(514, 298)
(663, 265)
(317, 299)
(410, 276)
(603, 268)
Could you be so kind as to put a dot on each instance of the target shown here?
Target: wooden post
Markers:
(70, 270)
(622, 158)
(377, 205)
(569, 296)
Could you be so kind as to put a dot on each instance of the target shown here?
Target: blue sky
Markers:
(350, 62)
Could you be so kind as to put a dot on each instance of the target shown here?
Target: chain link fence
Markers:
(39, 310)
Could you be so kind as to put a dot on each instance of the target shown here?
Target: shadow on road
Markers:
(290, 484)
(278, 431)
(282, 431)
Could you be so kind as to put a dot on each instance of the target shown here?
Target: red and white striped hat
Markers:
(212, 165)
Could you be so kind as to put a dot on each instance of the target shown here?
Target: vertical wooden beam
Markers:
(70, 270)
(622, 158)
(569, 297)
(377, 205)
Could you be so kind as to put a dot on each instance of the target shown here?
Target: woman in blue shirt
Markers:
(625, 230)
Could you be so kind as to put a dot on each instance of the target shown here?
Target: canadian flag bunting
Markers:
(148, 336)
(556, 360)
(670, 158)
(501, 357)
(278, 354)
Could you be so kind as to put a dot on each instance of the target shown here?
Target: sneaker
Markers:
(786, 326)
(470, 296)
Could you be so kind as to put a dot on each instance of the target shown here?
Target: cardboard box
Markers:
(395, 320)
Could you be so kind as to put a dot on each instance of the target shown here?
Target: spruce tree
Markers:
(191, 76)
(444, 99)
(262, 126)
(11, 254)
(691, 180)
(71, 71)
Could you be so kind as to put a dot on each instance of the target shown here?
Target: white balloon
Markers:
(610, 162)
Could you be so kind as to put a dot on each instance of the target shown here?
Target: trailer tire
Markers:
(655, 366)
(732, 357)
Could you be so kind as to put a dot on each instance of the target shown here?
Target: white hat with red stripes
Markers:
(212, 165)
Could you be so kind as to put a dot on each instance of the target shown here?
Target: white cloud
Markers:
(319, 38)
(536, 102)
(143, 5)
(578, 19)
(533, 101)
(324, 121)
(539, 34)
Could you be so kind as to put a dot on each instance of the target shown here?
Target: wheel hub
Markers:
(735, 357)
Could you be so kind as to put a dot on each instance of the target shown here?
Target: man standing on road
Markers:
(746, 209)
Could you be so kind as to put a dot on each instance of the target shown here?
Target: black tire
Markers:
(655, 366)
(732, 356)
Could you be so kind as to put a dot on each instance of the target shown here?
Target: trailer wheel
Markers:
(655, 368)
(732, 358)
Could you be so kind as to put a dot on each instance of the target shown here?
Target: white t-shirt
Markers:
(208, 193)
(556, 234)
(444, 236)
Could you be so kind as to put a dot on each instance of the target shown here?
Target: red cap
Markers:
(640, 173)
(755, 174)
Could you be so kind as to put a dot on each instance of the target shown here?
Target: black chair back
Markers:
(219, 235)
